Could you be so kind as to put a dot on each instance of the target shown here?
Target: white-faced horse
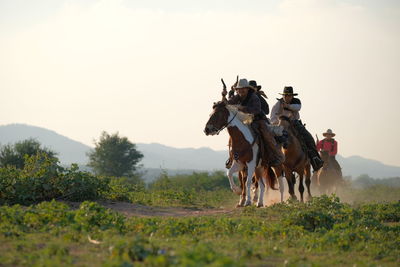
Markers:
(244, 149)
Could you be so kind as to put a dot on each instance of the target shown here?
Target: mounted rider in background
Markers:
(290, 106)
(249, 102)
(329, 145)
(262, 96)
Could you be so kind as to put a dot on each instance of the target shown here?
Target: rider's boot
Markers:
(315, 158)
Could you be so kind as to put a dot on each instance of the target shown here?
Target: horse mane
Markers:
(246, 118)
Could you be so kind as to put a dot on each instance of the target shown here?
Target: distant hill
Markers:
(159, 157)
(69, 151)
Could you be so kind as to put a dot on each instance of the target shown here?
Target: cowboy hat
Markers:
(288, 90)
(329, 132)
(243, 83)
(253, 84)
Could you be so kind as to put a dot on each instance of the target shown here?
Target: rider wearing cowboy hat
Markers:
(249, 102)
(261, 95)
(330, 145)
(290, 106)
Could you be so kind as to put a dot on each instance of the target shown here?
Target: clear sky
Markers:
(151, 69)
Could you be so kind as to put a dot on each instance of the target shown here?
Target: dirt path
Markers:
(130, 209)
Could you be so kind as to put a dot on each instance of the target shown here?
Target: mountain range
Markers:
(158, 157)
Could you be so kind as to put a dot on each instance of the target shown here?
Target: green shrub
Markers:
(92, 216)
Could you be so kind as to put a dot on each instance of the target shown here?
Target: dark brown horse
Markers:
(296, 160)
(244, 150)
(328, 177)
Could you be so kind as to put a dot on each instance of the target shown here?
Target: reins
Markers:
(226, 125)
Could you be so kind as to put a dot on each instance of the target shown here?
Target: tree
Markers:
(114, 156)
(14, 155)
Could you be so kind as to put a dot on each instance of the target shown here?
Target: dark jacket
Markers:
(251, 104)
(264, 104)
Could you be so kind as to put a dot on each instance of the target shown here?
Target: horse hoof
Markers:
(239, 206)
(259, 205)
(248, 203)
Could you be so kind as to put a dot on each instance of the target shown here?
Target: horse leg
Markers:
(236, 166)
(279, 174)
(281, 187)
(308, 181)
(289, 178)
(255, 185)
(301, 187)
(262, 182)
(243, 194)
(255, 192)
(250, 171)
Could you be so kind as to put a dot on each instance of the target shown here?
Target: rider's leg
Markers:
(276, 156)
(309, 141)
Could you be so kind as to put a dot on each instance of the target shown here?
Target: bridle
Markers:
(226, 125)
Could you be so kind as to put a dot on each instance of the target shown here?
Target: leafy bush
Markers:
(92, 215)
(42, 179)
(121, 189)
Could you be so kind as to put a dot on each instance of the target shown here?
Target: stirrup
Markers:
(228, 163)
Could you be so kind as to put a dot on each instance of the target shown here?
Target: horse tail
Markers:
(271, 178)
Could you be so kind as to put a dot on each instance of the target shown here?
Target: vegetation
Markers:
(15, 154)
(49, 232)
(42, 179)
(114, 156)
(319, 233)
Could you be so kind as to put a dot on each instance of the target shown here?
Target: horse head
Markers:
(326, 158)
(218, 119)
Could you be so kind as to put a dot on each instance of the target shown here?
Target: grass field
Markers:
(319, 233)
(188, 220)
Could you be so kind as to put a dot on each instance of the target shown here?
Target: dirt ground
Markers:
(130, 209)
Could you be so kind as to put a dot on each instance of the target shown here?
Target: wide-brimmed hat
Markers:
(243, 83)
(253, 84)
(288, 90)
(329, 132)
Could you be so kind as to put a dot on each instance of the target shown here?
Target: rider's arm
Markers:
(295, 105)
(275, 112)
(234, 100)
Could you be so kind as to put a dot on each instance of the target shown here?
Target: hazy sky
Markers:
(151, 69)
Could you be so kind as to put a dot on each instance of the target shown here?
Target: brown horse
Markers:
(328, 177)
(296, 160)
(244, 150)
